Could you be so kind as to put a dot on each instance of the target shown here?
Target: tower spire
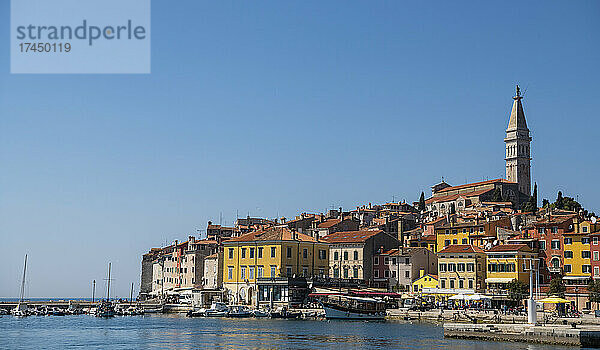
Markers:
(518, 156)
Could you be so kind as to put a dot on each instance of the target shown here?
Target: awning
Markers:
(499, 280)
(576, 278)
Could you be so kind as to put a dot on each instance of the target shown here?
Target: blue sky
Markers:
(275, 108)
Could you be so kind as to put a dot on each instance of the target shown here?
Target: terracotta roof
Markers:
(329, 223)
(350, 236)
(461, 248)
(455, 196)
(510, 248)
(554, 220)
(279, 233)
(474, 184)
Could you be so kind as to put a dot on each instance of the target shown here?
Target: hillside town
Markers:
(484, 241)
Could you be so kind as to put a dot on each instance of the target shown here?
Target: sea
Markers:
(180, 332)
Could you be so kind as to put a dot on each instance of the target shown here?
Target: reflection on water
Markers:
(172, 331)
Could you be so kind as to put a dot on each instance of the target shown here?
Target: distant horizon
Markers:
(274, 109)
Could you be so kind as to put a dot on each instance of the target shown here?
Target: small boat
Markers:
(354, 308)
(261, 313)
(217, 309)
(283, 312)
(106, 309)
(239, 311)
(21, 310)
(57, 312)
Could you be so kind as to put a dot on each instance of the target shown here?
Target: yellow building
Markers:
(507, 263)
(577, 266)
(475, 232)
(424, 281)
(258, 266)
(461, 269)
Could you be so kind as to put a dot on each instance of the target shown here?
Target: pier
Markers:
(573, 335)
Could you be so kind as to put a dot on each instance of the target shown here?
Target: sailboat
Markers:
(106, 309)
(22, 307)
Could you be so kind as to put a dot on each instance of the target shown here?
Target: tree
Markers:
(559, 201)
(535, 199)
(557, 287)
(545, 203)
(594, 291)
(422, 202)
(497, 195)
(517, 290)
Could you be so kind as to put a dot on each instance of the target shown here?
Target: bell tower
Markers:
(518, 156)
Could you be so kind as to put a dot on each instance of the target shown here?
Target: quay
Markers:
(571, 335)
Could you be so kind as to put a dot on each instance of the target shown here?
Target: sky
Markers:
(276, 108)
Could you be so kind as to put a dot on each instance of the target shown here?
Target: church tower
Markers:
(518, 157)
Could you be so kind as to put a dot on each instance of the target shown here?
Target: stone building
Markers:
(398, 269)
(518, 152)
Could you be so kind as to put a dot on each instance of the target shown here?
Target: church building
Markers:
(516, 188)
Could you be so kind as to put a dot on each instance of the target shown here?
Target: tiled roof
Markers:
(329, 223)
(350, 236)
(279, 233)
(461, 248)
(474, 184)
(455, 196)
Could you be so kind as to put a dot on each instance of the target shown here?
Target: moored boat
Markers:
(217, 309)
(353, 308)
(238, 311)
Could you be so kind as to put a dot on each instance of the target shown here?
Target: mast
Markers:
(93, 290)
(108, 288)
(23, 281)
(131, 294)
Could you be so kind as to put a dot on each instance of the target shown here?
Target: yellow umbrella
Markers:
(554, 300)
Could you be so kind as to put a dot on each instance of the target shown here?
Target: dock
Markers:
(571, 335)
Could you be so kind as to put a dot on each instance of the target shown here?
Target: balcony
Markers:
(555, 269)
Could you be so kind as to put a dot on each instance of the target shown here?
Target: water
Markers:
(180, 332)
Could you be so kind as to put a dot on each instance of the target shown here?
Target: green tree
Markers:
(422, 202)
(497, 195)
(535, 198)
(517, 290)
(557, 287)
(545, 203)
(559, 201)
(594, 291)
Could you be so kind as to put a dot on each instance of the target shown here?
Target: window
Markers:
(461, 267)
(446, 242)
(230, 253)
(407, 274)
(345, 271)
(386, 273)
(481, 229)
(555, 244)
(336, 256)
(568, 240)
(243, 253)
(470, 268)
(443, 283)
(304, 271)
(451, 267)
(273, 252)
(586, 268)
(596, 271)
(305, 253)
(554, 229)
(393, 273)
(542, 245)
(461, 284)
(455, 241)
(289, 252)
(568, 254)
(273, 270)
(251, 253)
(376, 273)
(595, 240)
(260, 250)
(355, 272)
(321, 272)
(442, 267)
(585, 254)
(346, 256)
(230, 272)
(567, 268)
(386, 260)
(336, 273)
(585, 229)
(452, 284)
(464, 241)
(322, 254)
(470, 284)
(596, 256)
(356, 255)
(288, 271)
(407, 261)
(376, 260)
(243, 273)
(393, 261)
(585, 240)
(251, 272)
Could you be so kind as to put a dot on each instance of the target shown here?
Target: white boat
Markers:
(239, 311)
(153, 310)
(217, 309)
(21, 310)
(354, 308)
